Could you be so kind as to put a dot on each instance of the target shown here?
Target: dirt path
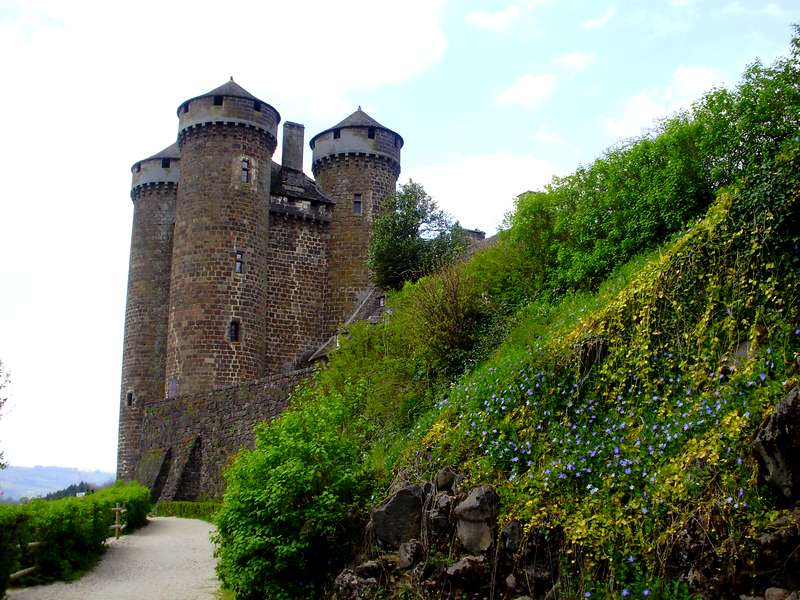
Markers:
(169, 559)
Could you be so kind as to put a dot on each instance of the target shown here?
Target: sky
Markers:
(493, 98)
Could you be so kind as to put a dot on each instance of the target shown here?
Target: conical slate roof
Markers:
(230, 89)
(358, 119)
(169, 152)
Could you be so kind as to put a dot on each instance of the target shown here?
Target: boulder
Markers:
(774, 593)
(445, 479)
(777, 447)
(398, 519)
(409, 554)
(542, 558)
(511, 537)
(349, 586)
(468, 569)
(439, 517)
(476, 516)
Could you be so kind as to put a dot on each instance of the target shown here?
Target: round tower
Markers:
(217, 308)
(153, 193)
(357, 163)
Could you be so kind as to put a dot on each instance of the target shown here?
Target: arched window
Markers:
(129, 398)
(246, 170)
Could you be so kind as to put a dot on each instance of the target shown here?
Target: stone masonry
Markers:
(241, 271)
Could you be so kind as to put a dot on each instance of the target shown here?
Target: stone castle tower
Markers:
(240, 270)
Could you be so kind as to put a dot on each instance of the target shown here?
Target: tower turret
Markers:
(218, 291)
(153, 193)
(357, 163)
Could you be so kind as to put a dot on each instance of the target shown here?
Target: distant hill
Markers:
(31, 482)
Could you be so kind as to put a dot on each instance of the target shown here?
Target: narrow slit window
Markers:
(217, 100)
(337, 133)
(234, 331)
(357, 205)
(185, 108)
(138, 167)
(129, 398)
(257, 106)
(246, 170)
(396, 141)
(165, 163)
(239, 264)
(371, 133)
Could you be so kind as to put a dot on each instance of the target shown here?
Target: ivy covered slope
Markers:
(606, 367)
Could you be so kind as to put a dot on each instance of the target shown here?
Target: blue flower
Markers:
(645, 592)
(626, 592)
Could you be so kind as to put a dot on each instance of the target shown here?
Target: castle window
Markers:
(396, 141)
(234, 331)
(185, 108)
(371, 133)
(256, 106)
(129, 398)
(239, 264)
(138, 167)
(217, 100)
(246, 170)
(337, 133)
(357, 207)
(165, 163)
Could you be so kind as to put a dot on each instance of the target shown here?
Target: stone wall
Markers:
(342, 177)
(144, 346)
(297, 277)
(218, 214)
(188, 441)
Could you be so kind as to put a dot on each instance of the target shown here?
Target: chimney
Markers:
(293, 134)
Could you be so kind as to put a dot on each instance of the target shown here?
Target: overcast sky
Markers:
(492, 97)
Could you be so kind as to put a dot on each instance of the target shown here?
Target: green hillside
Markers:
(605, 366)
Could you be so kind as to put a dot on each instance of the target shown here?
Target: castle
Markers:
(241, 270)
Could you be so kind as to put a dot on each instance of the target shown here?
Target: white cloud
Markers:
(547, 136)
(527, 91)
(92, 88)
(734, 8)
(602, 20)
(503, 19)
(577, 61)
(498, 21)
(468, 187)
(644, 109)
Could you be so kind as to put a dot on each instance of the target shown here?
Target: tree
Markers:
(412, 237)
(3, 383)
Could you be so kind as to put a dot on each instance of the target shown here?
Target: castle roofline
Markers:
(172, 152)
(231, 89)
(359, 119)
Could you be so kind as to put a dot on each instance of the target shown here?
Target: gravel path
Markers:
(169, 559)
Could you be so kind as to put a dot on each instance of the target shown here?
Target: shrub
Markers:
(290, 504)
(205, 511)
(73, 530)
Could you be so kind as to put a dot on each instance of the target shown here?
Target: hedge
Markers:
(73, 530)
(205, 511)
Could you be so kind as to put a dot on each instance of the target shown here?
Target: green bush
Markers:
(290, 504)
(73, 531)
(205, 511)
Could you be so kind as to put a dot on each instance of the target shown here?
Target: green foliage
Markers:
(411, 237)
(205, 511)
(674, 249)
(73, 531)
(71, 490)
(290, 505)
